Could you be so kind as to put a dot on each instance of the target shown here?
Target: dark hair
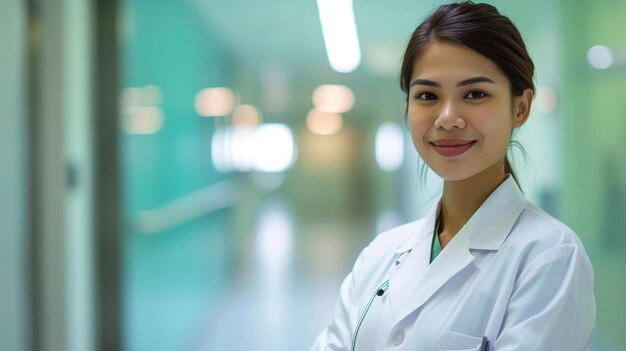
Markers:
(481, 28)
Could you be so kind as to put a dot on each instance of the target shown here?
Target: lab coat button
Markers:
(397, 338)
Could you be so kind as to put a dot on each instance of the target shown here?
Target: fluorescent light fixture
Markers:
(145, 120)
(340, 35)
(243, 149)
(246, 116)
(215, 102)
(323, 123)
(220, 150)
(333, 98)
(273, 149)
(265, 148)
(389, 146)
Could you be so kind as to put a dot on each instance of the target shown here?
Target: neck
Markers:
(462, 198)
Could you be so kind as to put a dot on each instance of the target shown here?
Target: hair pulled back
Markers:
(481, 28)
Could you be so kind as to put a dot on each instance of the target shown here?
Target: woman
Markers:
(485, 269)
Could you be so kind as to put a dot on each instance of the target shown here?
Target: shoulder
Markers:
(537, 233)
(537, 225)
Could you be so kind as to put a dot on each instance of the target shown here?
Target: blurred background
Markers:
(201, 174)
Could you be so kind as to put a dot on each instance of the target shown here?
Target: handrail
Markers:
(199, 203)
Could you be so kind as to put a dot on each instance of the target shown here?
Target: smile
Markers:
(452, 148)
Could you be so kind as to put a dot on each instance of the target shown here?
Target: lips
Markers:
(452, 147)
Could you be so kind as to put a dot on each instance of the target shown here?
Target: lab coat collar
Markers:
(416, 280)
(488, 227)
(491, 224)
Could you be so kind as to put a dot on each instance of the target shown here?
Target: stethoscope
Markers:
(379, 292)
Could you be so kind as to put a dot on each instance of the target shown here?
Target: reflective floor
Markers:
(284, 289)
(270, 288)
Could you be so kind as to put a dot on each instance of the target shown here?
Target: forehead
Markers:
(443, 61)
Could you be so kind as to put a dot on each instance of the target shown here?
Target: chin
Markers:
(453, 175)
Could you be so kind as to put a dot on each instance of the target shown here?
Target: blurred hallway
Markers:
(201, 175)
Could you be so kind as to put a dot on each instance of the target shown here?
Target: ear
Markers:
(521, 108)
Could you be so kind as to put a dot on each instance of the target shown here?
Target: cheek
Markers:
(418, 129)
(417, 121)
(497, 130)
(498, 113)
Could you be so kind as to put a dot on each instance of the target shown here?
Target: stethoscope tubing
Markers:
(382, 288)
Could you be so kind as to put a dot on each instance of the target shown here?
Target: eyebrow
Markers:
(479, 79)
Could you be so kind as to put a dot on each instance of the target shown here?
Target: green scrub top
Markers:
(435, 247)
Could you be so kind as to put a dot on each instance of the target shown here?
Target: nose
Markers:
(450, 117)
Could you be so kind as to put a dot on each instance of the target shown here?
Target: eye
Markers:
(426, 96)
(475, 94)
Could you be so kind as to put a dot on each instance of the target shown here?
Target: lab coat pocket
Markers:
(453, 341)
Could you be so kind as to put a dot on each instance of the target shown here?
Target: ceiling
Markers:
(289, 31)
(286, 35)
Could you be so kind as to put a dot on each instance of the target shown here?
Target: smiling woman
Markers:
(460, 104)
(485, 269)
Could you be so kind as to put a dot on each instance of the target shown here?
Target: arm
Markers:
(552, 306)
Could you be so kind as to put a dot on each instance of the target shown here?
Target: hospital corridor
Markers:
(201, 175)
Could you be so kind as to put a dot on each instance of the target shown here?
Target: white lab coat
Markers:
(512, 274)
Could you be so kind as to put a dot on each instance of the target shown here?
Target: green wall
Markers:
(594, 113)
(170, 276)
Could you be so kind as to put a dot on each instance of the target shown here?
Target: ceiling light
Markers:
(323, 123)
(246, 116)
(340, 35)
(333, 98)
(145, 120)
(214, 102)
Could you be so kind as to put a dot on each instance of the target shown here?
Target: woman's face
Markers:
(461, 112)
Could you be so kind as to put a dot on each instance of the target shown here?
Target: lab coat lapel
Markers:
(492, 223)
(404, 277)
(454, 258)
